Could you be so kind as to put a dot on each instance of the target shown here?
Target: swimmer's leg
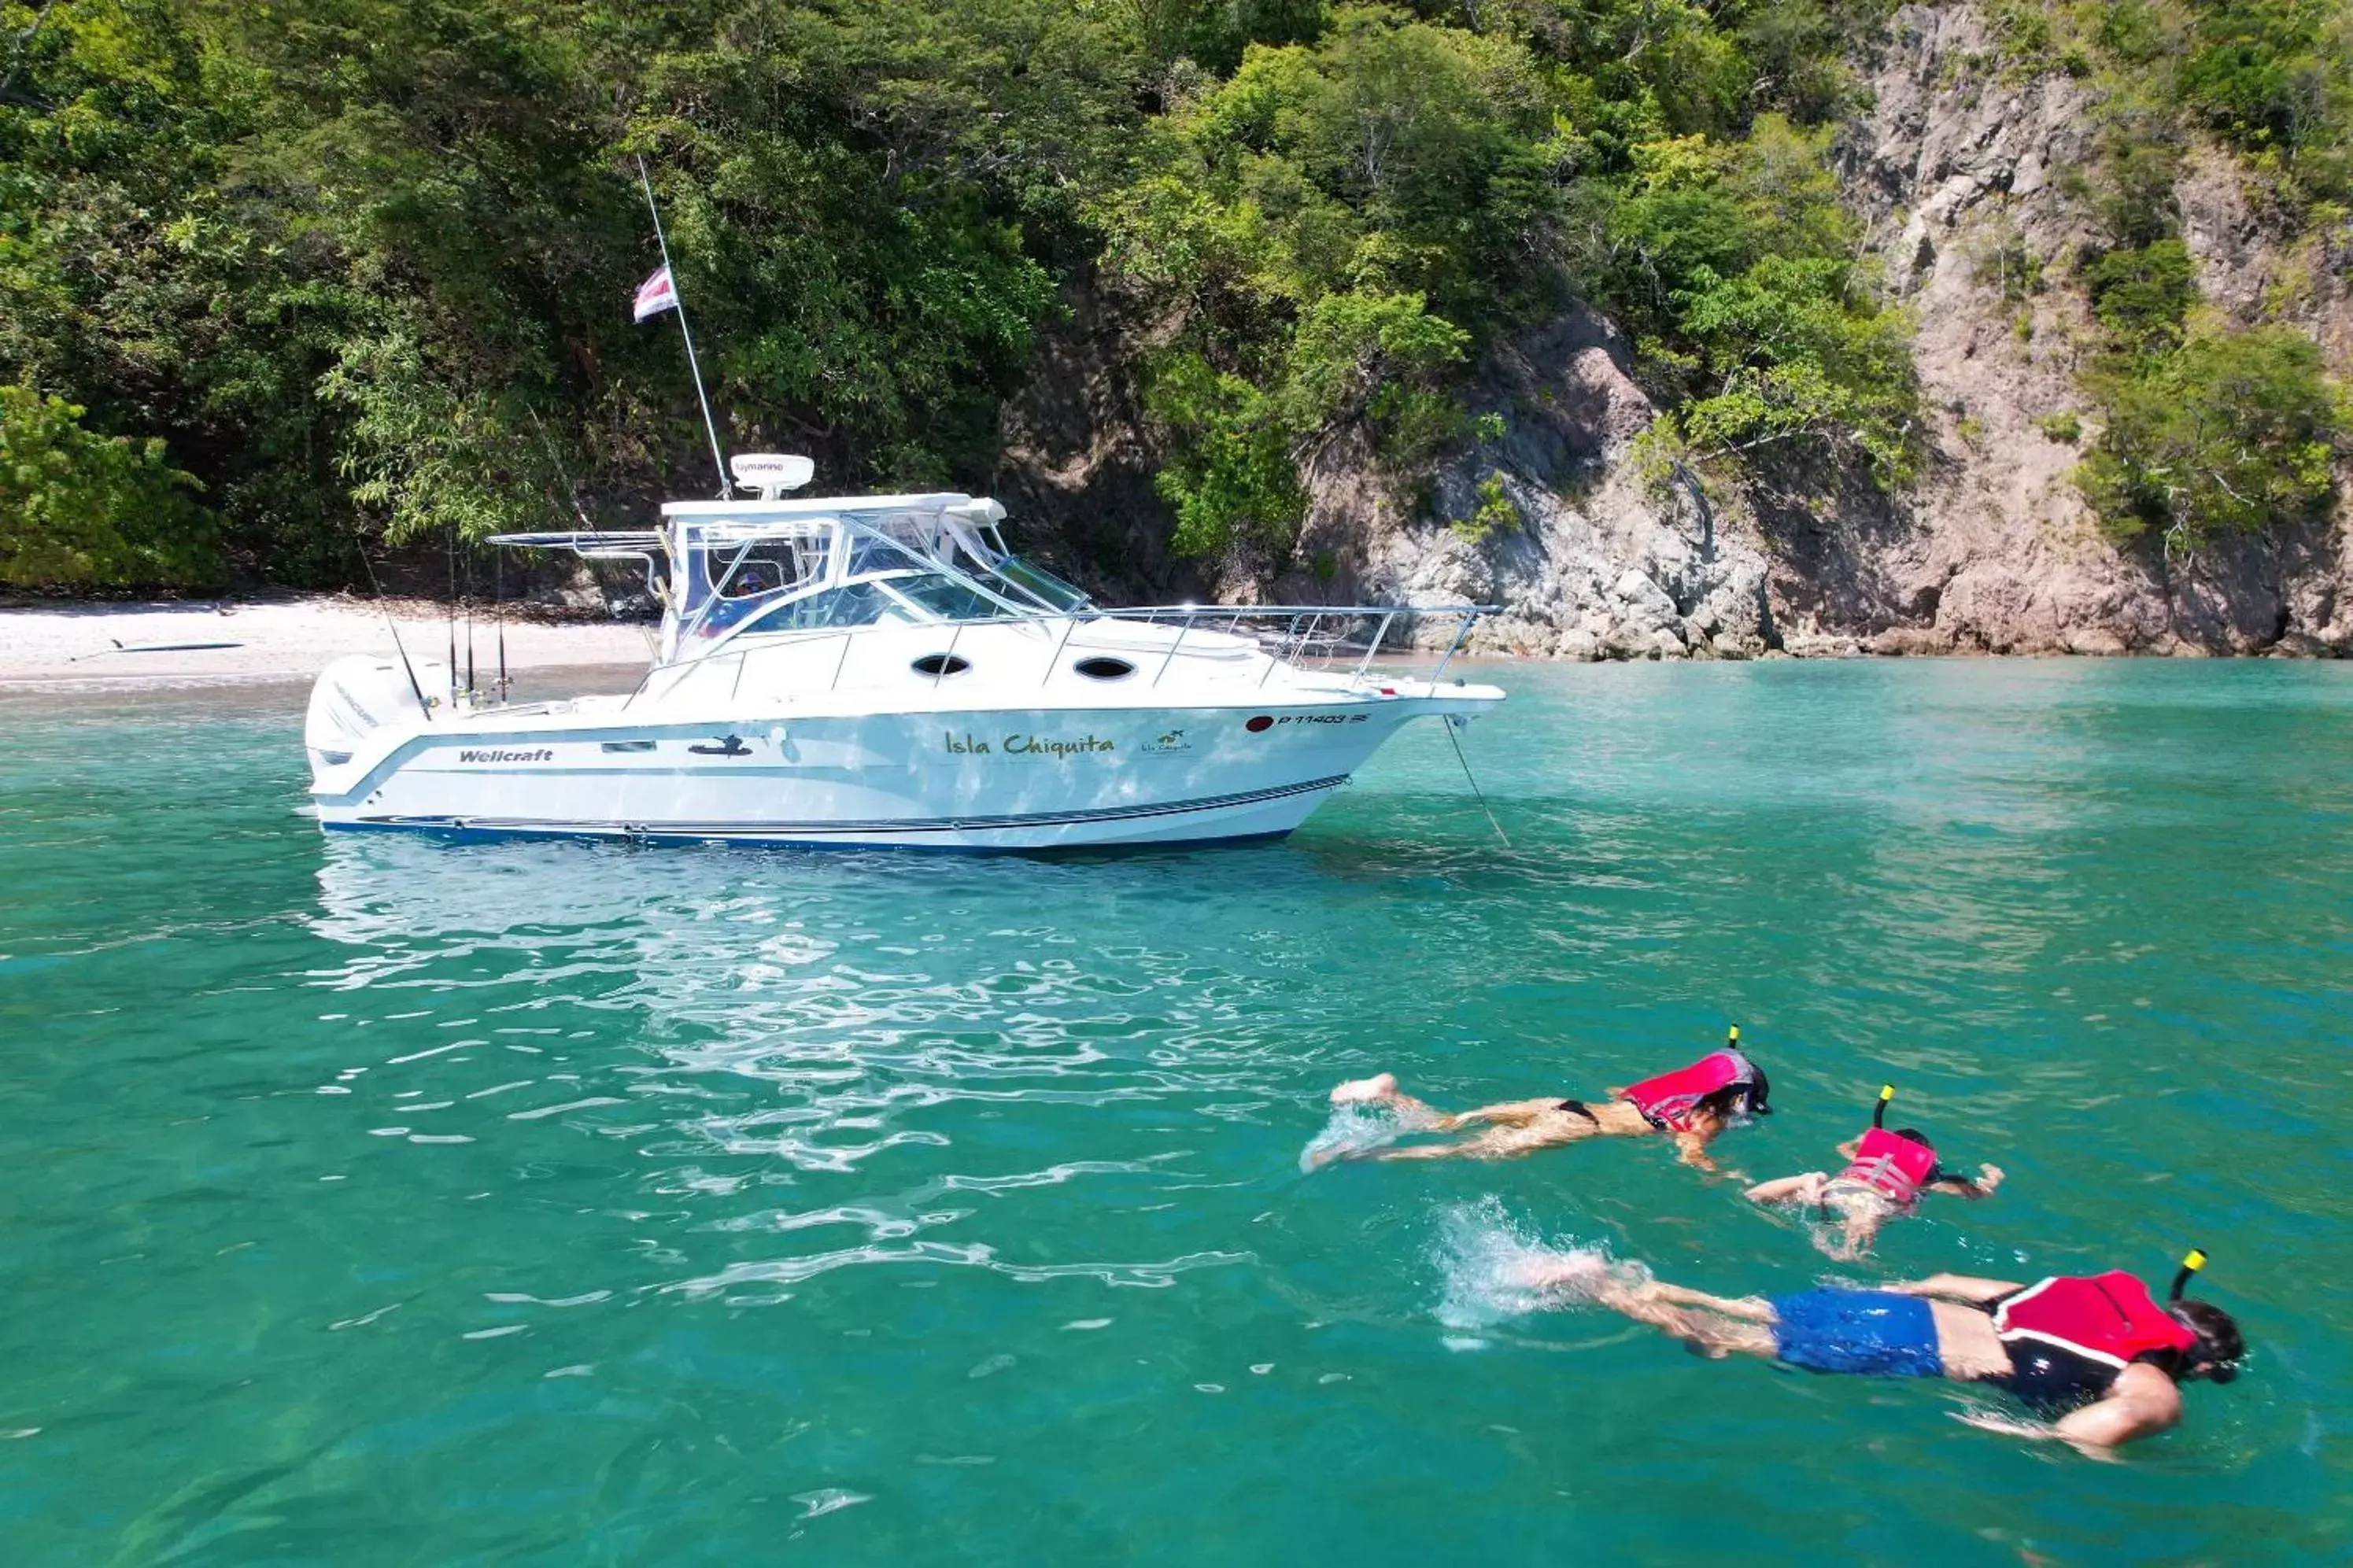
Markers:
(1749, 1309)
(1861, 1228)
(1721, 1327)
(1807, 1188)
(1496, 1143)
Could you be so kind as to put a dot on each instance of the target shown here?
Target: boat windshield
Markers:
(852, 604)
(1024, 582)
(1039, 583)
(945, 597)
(908, 597)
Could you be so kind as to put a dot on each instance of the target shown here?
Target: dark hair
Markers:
(1737, 1099)
(2220, 1344)
(1916, 1136)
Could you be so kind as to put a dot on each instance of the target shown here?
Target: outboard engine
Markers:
(356, 695)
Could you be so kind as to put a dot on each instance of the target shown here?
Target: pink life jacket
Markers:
(1666, 1100)
(1895, 1167)
(2108, 1318)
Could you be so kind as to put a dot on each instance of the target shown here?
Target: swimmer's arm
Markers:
(1781, 1188)
(1967, 1288)
(2141, 1401)
(1691, 1149)
(1989, 1178)
(1851, 1148)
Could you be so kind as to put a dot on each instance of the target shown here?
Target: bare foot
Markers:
(1367, 1090)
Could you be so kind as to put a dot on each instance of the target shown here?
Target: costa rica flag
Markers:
(656, 294)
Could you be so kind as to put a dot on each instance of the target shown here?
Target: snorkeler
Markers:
(1692, 1104)
(1885, 1175)
(2099, 1358)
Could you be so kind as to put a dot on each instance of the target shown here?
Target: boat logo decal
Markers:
(1260, 725)
(970, 744)
(728, 746)
(537, 754)
(1165, 745)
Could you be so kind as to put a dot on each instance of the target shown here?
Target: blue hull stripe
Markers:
(803, 832)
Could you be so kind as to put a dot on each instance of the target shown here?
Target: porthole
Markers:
(938, 664)
(1103, 669)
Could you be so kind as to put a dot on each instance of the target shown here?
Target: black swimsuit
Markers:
(2051, 1379)
(1579, 1108)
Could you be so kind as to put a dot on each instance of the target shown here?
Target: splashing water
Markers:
(1352, 1130)
(1494, 1268)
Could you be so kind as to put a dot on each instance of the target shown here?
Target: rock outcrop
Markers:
(1595, 567)
(1958, 172)
(1962, 170)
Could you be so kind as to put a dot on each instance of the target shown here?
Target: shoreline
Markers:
(97, 648)
(149, 645)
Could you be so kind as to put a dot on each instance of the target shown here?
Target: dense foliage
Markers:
(2227, 432)
(1343, 219)
(373, 259)
(81, 508)
(2203, 430)
(362, 267)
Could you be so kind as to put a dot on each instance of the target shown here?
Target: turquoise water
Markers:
(372, 1201)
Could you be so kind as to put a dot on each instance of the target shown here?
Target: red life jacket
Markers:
(2109, 1318)
(1666, 1100)
(1894, 1166)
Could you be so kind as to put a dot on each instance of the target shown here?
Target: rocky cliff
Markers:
(1955, 167)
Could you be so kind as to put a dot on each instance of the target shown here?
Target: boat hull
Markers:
(957, 780)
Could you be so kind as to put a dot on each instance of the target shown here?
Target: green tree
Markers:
(2143, 294)
(1733, 263)
(2230, 433)
(80, 509)
(1335, 223)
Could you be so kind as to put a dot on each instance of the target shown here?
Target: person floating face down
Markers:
(2097, 1358)
(1885, 1175)
(1693, 1105)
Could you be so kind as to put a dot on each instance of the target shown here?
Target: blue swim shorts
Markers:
(1872, 1333)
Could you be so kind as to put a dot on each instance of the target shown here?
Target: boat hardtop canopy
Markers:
(771, 565)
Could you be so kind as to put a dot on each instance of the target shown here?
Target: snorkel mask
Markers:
(2191, 1262)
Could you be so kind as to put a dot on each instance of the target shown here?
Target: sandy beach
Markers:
(136, 647)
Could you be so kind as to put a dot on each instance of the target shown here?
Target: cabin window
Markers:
(869, 554)
(1102, 667)
(768, 566)
(938, 664)
(628, 745)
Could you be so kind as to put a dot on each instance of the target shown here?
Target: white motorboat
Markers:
(881, 670)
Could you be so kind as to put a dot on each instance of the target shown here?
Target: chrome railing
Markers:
(1290, 635)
